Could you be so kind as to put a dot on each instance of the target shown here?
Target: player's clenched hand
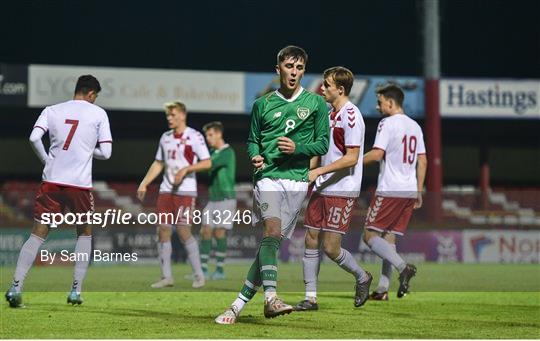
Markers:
(418, 202)
(312, 175)
(258, 162)
(141, 192)
(286, 145)
(180, 175)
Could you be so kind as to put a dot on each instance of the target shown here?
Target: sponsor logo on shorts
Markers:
(277, 114)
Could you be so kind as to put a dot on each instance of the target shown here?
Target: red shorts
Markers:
(173, 210)
(389, 214)
(329, 213)
(52, 198)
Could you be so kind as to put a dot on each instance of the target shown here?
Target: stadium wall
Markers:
(440, 246)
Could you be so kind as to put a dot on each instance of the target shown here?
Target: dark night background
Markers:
(479, 39)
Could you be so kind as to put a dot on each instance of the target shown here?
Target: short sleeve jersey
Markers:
(302, 118)
(402, 140)
(75, 128)
(347, 130)
(178, 151)
(222, 174)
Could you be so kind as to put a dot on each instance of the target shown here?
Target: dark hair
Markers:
(292, 51)
(87, 83)
(213, 125)
(341, 77)
(392, 91)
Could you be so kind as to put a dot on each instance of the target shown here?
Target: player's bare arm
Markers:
(421, 168)
(155, 169)
(200, 166)
(350, 159)
(314, 162)
(286, 145)
(374, 155)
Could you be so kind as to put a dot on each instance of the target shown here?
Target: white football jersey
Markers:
(179, 151)
(402, 140)
(75, 128)
(347, 129)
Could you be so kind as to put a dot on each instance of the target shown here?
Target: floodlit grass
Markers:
(448, 301)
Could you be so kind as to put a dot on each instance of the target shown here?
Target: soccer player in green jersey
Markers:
(218, 215)
(288, 127)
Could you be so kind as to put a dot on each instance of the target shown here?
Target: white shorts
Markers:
(278, 198)
(219, 214)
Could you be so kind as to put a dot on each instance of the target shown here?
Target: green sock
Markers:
(206, 246)
(253, 281)
(221, 253)
(268, 262)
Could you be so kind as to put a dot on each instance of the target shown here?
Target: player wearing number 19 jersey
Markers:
(399, 147)
(78, 132)
(288, 127)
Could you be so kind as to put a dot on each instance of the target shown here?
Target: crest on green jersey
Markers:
(302, 112)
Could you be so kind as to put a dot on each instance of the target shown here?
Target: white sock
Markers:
(165, 251)
(27, 255)
(384, 249)
(192, 248)
(83, 246)
(241, 300)
(270, 293)
(386, 275)
(239, 303)
(311, 264)
(347, 262)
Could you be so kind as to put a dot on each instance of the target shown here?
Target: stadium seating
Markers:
(462, 206)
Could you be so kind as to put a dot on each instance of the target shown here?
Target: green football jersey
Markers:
(222, 174)
(303, 119)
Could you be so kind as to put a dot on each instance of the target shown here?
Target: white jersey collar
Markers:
(222, 147)
(293, 98)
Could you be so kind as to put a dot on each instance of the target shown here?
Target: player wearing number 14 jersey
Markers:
(181, 153)
(78, 132)
(399, 147)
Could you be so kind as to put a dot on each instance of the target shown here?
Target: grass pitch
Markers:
(448, 301)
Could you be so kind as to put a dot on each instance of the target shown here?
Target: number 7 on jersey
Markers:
(74, 125)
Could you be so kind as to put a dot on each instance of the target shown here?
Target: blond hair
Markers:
(178, 105)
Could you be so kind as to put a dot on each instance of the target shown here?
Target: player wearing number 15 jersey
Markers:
(338, 179)
(78, 132)
(288, 127)
(399, 147)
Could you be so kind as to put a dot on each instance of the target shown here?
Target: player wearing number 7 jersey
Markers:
(288, 127)
(78, 132)
(399, 147)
